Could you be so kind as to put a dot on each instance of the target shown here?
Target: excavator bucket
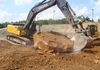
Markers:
(80, 41)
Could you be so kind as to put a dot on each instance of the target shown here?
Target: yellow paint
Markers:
(13, 29)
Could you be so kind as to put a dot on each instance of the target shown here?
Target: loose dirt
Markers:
(53, 42)
(18, 57)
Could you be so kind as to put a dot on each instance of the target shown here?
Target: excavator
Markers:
(24, 34)
(92, 30)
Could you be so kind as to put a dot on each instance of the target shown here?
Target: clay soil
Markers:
(18, 57)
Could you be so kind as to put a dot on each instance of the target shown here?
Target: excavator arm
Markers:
(67, 11)
(30, 26)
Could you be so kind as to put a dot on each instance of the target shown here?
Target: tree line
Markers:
(50, 21)
(3, 25)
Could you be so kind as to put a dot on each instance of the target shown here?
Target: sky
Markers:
(17, 10)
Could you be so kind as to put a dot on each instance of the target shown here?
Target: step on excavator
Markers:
(24, 34)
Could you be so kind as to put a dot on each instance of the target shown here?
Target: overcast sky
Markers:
(15, 10)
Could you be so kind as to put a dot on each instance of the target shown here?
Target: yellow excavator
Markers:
(93, 32)
(25, 34)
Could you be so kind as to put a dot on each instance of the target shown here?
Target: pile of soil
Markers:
(53, 42)
(18, 57)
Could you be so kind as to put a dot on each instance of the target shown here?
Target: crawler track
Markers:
(19, 40)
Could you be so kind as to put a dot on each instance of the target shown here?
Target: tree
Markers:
(83, 18)
(3, 25)
(98, 20)
(87, 19)
(50, 21)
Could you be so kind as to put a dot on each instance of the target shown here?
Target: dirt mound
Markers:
(26, 58)
(53, 42)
